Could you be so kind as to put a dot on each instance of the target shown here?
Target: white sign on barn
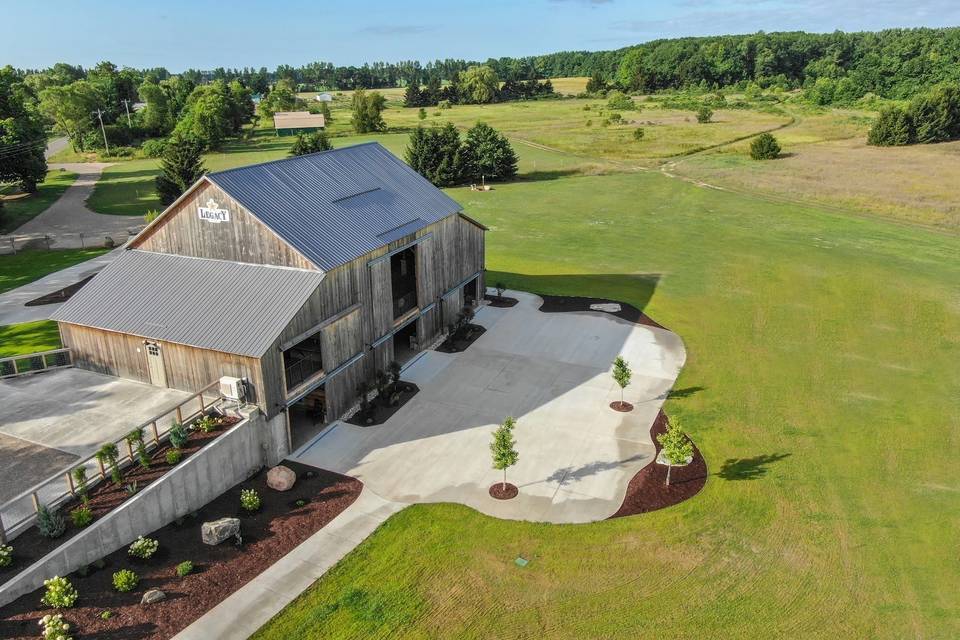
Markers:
(211, 213)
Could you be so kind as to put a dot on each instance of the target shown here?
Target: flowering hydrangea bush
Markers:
(55, 628)
(6, 555)
(60, 593)
(143, 547)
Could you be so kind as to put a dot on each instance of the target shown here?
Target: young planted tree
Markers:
(108, 457)
(676, 447)
(621, 375)
(180, 167)
(80, 484)
(138, 448)
(504, 449)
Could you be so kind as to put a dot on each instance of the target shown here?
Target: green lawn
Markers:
(19, 211)
(26, 266)
(28, 337)
(822, 376)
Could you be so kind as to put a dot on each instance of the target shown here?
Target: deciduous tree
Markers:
(676, 447)
(504, 448)
(368, 111)
(488, 154)
(310, 143)
(621, 375)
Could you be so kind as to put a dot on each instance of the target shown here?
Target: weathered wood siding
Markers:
(242, 239)
(187, 368)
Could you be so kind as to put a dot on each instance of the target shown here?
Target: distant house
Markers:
(323, 97)
(302, 276)
(291, 123)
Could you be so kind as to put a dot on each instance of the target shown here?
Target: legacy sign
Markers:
(212, 213)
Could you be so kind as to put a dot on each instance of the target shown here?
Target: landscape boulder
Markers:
(281, 478)
(153, 595)
(609, 307)
(217, 531)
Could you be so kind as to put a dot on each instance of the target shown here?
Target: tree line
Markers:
(478, 84)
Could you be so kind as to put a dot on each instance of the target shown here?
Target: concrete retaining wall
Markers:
(229, 459)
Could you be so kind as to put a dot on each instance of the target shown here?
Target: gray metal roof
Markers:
(232, 307)
(338, 205)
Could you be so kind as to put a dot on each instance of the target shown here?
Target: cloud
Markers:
(396, 30)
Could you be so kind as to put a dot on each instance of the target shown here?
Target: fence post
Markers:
(103, 472)
(69, 478)
(129, 450)
(179, 415)
(3, 532)
(156, 436)
(82, 246)
(15, 372)
(36, 501)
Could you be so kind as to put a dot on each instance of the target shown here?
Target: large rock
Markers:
(217, 531)
(153, 595)
(281, 478)
(609, 307)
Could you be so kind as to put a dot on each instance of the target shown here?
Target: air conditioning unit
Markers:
(232, 388)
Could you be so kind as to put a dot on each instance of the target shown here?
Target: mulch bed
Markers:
(268, 535)
(61, 295)
(621, 406)
(462, 339)
(501, 302)
(555, 304)
(381, 412)
(503, 492)
(647, 490)
(30, 546)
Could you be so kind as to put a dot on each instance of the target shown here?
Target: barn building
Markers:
(303, 276)
(292, 123)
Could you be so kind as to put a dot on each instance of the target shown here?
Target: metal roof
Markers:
(232, 307)
(298, 120)
(338, 205)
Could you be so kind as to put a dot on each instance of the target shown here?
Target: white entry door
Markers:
(158, 373)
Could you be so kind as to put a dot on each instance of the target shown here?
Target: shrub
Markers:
(143, 547)
(80, 483)
(617, 100)
(122, 152)
(125, 580)
(764, 147)
(174, 456)
(704, 114)
(154, 148)
(206, 424)
(151, 215)
(108, 455)
(589, 123)
(50, 523)
(60, 593)
(132, 488)
(443, 104)
(81, 516)
(616, 118)
(54, 628)
(6, 555)
(422, 114)
(106, 615)
(300, 503)
(184, 568)
(178, 435)
(249, 500)
(638, 133)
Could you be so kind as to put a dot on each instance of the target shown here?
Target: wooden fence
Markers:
(35, 363)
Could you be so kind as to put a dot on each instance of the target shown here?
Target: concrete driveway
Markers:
(552, 373)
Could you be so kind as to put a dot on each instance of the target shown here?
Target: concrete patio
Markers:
(552, 373)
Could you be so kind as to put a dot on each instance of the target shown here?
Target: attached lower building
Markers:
(304, 276)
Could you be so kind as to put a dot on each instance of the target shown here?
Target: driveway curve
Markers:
(552, 373)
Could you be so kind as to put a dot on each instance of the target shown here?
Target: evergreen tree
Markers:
(596, 83)
(412, 97)
(431, 94)
(310, 143)
(893, 127)
(180, 167)
(488, 154)
(764, 147)
(437, 154)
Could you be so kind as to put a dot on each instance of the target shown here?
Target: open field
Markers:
(19, 210)
(26, 266)
(820, 385)
(28, 337)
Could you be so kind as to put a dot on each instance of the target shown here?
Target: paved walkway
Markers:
(70, 215)
(12, 302)
(55, 146)
(249, 608)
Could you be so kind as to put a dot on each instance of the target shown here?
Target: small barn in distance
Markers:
(323, 96)
(303, 276)
(291, 123)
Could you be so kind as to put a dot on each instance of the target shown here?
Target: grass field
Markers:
(23, 209)
(821, 387)
(26, 266)
(28, 337)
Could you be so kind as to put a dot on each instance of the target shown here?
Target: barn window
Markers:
(302, 361)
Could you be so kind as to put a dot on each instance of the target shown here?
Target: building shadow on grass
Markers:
(749, 468)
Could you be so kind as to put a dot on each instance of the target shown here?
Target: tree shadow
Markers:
(679, 394)
(749, 468)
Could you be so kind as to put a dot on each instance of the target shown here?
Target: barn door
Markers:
(158, 373)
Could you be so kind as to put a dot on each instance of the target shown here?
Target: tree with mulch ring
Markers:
(648, 490)
(104, 496)
(499, 300)
(505, 455)
(621, 375)
(217, 571)
(462, 333)
(676, 448)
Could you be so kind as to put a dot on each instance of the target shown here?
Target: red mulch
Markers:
(554, 304)
(501, 302)
(647, 490)
(502, 491)
(381, 412)
(268, 535)
(621, 406)
(462, 339)
(60, 295)
(30, 546)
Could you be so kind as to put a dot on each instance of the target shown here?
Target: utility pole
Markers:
(126, 103)
(106, 146)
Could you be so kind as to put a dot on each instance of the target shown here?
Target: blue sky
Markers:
(204, 34)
